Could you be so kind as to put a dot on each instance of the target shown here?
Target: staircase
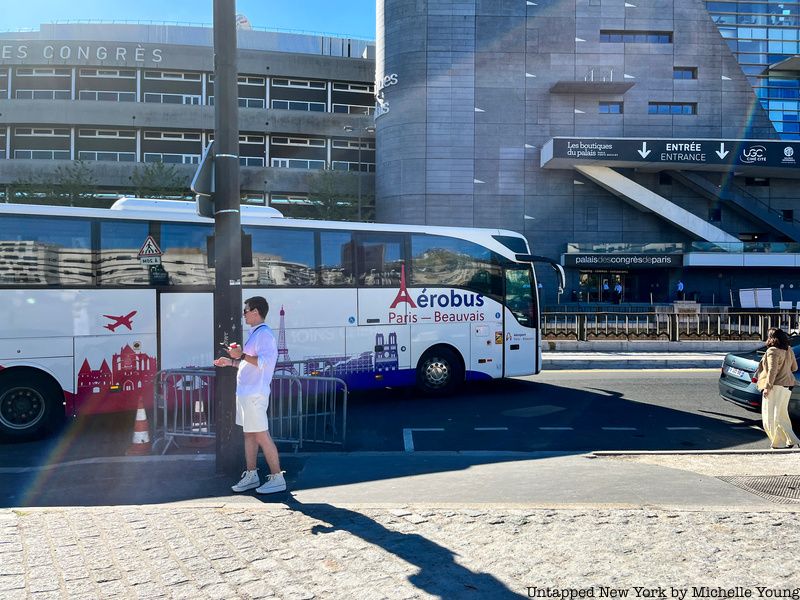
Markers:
(740, 200)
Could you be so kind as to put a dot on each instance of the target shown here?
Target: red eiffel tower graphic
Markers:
(402, 294)
(284, 363)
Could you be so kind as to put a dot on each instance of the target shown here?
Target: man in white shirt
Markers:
(256, 365)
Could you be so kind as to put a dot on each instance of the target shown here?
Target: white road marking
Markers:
(618, 428)
(556, 428)
(491, 429)
(408, 436)
(683, 428)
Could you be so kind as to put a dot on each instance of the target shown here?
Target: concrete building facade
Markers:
(473, 96)
(118, 96)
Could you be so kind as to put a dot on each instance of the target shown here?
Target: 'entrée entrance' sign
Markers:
(622, 261)
(562, 153)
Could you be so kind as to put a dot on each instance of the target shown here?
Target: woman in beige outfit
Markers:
(776, 380)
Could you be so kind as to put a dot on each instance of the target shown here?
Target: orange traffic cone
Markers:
(140, 445)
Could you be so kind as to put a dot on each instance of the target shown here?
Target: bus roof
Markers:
(184, 212)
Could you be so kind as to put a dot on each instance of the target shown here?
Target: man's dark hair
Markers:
(260, 304)
(777, 337)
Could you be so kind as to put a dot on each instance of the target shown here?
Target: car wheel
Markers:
(29, 406)
(439, 371)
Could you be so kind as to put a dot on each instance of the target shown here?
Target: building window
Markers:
(343, 165)
(636, 37)
(172, 75)
(297, 105)
(294, 141)
(243, 102)
(172, 98)
(354, 109)
(614, 108)
(43, 72)
(173, 159)
(299, 83)
(788, 215)
(109, 73)
(365, 88)
(672, 108)
(43, 94)
(41, 132)
(684, 72)
(184, 136)
(117, 134)
(353, 144)
(756, 182)
(251, 161)
(107, 156)
(250, 102)
(297, 163)
(107, 96)
(251, 139)
(42, 154)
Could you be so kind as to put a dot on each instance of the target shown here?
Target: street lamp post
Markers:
(370, 129)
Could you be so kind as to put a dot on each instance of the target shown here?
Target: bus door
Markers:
(520, 345)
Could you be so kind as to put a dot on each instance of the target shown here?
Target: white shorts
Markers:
(251, 412)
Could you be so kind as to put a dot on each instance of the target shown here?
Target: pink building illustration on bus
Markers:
(117, 386)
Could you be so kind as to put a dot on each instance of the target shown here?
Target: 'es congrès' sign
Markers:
(79, 52)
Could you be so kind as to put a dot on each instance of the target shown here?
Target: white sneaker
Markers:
(248, 481)
(274, 483)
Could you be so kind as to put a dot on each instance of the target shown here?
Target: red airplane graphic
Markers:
(126, 320)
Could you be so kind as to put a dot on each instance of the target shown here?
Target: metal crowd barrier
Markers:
(302, 408)
(666, 326)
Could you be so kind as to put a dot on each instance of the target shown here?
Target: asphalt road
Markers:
(555, 411)
(561, 411)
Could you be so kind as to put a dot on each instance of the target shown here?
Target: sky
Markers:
(353, 18)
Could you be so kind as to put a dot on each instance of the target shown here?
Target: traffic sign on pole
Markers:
(203, 183)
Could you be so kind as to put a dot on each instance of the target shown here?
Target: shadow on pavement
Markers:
(541, 418)
(439, 574)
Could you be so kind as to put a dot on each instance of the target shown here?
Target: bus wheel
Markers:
(29, 406)
(439, 371)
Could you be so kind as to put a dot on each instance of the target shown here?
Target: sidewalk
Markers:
(397, 525)
(632, 360)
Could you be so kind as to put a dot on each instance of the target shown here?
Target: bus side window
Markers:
(42, 250)
(118, 257)
(379, 260)
(452, 262)
(281, 257)
(184, 258)
(336, 258)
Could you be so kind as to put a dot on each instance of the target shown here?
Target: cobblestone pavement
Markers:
(304, 551)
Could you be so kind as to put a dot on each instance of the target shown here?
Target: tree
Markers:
(159, 180)
(333, 196)
(74, 184)
(71, 185)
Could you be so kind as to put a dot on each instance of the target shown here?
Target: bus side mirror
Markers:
(533, 258)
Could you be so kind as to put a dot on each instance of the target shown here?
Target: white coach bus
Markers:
(93, 302)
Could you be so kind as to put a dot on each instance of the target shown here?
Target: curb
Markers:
(554, 364)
